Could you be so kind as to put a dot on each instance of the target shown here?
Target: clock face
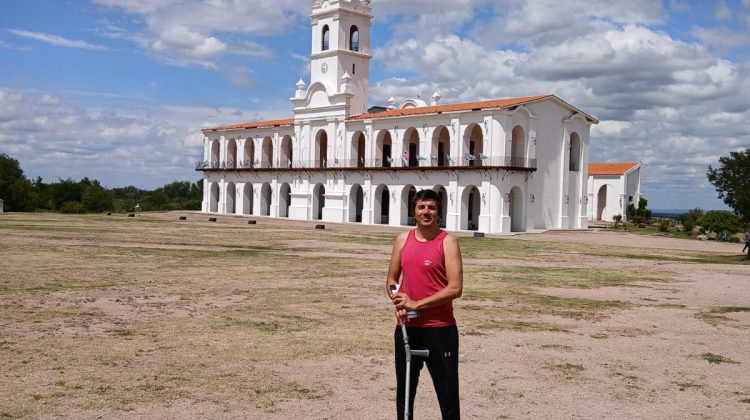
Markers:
(324, 67)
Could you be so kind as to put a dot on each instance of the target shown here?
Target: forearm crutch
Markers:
(408, 352)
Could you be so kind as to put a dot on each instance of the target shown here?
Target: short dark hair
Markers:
(429, 195)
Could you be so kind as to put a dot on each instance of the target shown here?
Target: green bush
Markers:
(720, 220)
(72, 207)
(690, 220)
(664, 225)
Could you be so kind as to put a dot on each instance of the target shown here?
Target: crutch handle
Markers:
(420, 353)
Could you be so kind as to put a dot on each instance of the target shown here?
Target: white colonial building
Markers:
(612, 187)
(504, 165)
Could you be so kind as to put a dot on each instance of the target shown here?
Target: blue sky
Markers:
(118, 90)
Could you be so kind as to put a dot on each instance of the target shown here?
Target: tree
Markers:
(720, 220)
(64, 191)
(732, 181)
(15, 189)
(96, 198)
(691, 219)
(640, 214)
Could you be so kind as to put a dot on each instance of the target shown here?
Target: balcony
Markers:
(469, 162)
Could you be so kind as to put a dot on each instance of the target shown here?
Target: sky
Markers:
(118, 90)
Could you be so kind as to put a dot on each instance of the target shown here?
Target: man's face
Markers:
(426, 213)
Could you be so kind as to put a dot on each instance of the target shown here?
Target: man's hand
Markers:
(404, 302)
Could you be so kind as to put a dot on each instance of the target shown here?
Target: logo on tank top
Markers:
(427, 263)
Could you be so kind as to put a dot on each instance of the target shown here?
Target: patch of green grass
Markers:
(499, 248)
(556, 347)
(746, 401)
(687, 385)
(284, 324)
(717, 358)
(730, 309)
(575, 308)
(122, 332)
(523, 326)
(568, 370)
(383, 239)
(715, 317)
(682, 257)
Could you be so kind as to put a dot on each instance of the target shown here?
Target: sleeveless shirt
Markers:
(424, 274)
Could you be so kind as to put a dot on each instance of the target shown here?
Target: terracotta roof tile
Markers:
(468, 106)
(255, 124)
(612, 168)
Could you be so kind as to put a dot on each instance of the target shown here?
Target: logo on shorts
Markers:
(447, 354)
(427, 263)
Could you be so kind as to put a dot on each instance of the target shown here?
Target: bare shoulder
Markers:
(400, 239)
(450, 240)
(450, 243)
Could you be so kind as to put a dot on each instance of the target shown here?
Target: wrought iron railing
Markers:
(423, 162)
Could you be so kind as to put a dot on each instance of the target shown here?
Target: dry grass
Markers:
(113, 312)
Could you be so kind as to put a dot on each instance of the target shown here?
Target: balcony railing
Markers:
(421, 162)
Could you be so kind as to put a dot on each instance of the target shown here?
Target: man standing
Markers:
(747, 242)
(428, 262)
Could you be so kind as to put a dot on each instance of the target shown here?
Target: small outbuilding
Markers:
(612, 187)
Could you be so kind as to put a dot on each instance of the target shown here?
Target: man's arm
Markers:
(394, 268)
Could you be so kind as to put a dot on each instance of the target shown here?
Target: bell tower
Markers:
(339, 59)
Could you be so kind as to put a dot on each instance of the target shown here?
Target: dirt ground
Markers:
(152, 317)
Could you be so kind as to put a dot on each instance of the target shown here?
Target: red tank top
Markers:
(423, 268)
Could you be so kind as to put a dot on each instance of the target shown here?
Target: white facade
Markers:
(612, 187)
(501, 166)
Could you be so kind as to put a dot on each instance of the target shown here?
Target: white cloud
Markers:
(672, 104)
(722, 11)
(197, 32)
(58, 40)
(126, 143)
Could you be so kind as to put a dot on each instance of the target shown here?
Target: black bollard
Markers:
(251, 222)
(212, 219)
(479, 234)
(320, 226)
(183, 217)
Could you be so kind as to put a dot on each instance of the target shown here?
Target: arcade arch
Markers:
(285, 199)
(474, 144)
(247, 198)
(321, 149)
(470, 206)
(318, 201)
(518, 147)
(410, 152)
(515, 209)
(382, 205)
(356, 203)
(383, 147)
(214, 197)
(286, 152)
(441, 146)
(265, 199)
(230, 194)
(407, 205)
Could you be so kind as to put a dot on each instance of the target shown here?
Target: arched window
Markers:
(354, 38)
(326, 38)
